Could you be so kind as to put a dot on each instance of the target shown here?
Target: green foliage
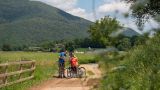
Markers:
(100, 31)
(47, 46)
(143, 9)
(82, 43)
(140, 40)
(140, 68)
(25, 22)
(124, 44)
(6, 47)
(86, 58)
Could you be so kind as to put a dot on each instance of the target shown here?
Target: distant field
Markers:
(46, 65)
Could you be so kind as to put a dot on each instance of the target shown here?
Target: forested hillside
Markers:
(24, 22)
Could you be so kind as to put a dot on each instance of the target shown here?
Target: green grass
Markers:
(86, 58)
(82, 49)
(46, 65)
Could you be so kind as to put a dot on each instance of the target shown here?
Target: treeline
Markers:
(54, 45)
(124, 43)
(8, 47)
(121, 42)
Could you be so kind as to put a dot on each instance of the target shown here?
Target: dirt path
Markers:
(73, 83)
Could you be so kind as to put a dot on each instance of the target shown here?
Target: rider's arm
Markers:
(77, 61)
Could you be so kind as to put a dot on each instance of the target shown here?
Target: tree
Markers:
(140, 40)
(6, 47)
(143, 9)
(70, 46)
(100, 31)
(124, 44)
(48, 46)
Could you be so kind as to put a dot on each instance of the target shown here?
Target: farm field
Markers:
(46, 65)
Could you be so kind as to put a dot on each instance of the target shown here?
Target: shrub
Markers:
(142, 70)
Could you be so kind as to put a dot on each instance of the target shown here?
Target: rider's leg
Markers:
(59, 67)
(63, 70)
(76, 69)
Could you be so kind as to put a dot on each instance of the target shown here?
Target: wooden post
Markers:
(32, 66)
(20, 69)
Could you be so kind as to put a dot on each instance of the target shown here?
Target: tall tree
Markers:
(143, 9)
(100, 31)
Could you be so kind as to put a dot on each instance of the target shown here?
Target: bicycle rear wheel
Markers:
(81, 72)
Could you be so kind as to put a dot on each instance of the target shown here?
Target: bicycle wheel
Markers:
(68, 72)
(81, 72)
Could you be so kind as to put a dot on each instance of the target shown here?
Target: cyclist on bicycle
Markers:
(61, 62)
(74, 62)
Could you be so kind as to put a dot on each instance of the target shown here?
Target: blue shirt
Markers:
(62, 56)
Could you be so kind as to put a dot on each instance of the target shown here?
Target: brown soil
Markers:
(73, 83)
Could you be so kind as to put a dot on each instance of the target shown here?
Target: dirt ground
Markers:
(72, 83)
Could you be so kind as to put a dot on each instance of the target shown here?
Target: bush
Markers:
(6, 47)
(142, 70)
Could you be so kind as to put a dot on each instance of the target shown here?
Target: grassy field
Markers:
(46, 65)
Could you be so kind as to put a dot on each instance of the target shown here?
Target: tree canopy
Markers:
(144, 9)
(101, 30)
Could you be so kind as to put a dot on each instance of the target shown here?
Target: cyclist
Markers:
(74, 62)
(62, 63)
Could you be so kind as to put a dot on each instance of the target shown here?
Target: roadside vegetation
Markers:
(138, 67)
(136, 70)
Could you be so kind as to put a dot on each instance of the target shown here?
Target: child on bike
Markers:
(74, 62)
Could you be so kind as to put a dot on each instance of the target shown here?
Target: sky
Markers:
(113, 8)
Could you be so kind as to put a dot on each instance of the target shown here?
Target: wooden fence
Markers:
(5, 74)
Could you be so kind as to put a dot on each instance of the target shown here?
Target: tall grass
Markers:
(140, 71)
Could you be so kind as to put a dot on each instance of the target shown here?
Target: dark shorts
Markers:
(62, 65)
(74, 68)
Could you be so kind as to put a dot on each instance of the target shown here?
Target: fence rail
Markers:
(5, 74)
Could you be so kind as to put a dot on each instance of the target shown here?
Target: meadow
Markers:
(46, 65)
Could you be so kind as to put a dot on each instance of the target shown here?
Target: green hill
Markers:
(24, 22)
(125, 31)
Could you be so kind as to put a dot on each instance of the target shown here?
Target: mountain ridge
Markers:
(24, 22)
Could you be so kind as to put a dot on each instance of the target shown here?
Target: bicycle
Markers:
(81, 72)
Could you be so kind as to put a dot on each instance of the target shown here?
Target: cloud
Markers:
(115, 6)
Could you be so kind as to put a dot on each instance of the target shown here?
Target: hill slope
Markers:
(24, 22)
(128, 32)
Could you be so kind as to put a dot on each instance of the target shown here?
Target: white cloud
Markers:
(113, 7)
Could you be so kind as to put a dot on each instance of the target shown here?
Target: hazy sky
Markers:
(84, 9)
